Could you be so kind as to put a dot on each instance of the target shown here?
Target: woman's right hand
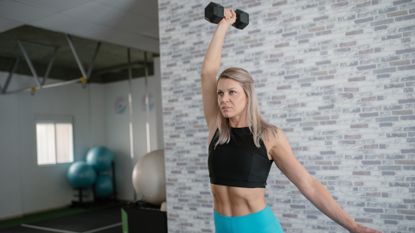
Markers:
(229, 17)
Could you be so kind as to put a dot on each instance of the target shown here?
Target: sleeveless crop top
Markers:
(238, 163)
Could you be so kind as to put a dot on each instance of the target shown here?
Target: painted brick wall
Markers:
(337, 76)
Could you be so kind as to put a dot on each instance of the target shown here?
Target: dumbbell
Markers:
(215, 12)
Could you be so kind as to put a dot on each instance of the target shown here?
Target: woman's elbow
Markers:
(309, 185)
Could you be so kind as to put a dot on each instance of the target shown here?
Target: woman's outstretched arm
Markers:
(211, 66)
(311, 188)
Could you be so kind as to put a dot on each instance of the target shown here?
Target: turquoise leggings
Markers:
(263, 221)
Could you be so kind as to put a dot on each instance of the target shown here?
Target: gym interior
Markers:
(102, 127)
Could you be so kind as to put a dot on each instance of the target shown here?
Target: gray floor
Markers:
(106, 220)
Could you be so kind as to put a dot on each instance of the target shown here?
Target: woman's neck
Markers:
(238, 122)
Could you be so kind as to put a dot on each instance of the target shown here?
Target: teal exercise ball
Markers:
(81, 175)
(103, 186)
(100, 158)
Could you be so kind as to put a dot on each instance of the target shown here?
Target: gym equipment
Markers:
(149, 177)
(103, 186)
(215, 12)
(100, 158)
(143, 219)
(81, 175)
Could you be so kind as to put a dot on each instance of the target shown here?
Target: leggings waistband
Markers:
(262, 221)
(243, 216)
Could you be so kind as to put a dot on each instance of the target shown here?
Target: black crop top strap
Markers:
(238, 163)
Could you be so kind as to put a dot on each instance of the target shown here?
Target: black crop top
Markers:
(238, 163)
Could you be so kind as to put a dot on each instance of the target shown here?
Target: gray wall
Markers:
(337, 76)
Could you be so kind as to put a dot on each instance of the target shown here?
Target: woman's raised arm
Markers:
(211, 66)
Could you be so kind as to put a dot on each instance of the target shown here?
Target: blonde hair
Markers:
(257, 125)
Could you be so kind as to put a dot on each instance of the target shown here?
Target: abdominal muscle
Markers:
(237, 201)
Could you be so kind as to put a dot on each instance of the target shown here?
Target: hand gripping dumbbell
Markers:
(215, 12)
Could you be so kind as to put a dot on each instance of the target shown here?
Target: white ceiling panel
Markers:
(94, 12)
(95, 31)
(148, 8)
(57, 5)
(135, 40)
(131, 23)
(112, 17)
(21, 12)
(136, 24)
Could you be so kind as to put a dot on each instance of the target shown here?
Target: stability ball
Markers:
(103, 186)
(149, 177)
(100, 158)
(81, 175)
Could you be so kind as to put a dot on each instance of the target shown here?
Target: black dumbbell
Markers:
(215, 12)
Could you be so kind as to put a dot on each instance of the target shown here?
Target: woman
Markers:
(242, 147)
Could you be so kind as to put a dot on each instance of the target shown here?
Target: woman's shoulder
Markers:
(271, 133)
(271, 130)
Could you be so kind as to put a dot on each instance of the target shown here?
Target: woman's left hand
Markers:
(362, 229)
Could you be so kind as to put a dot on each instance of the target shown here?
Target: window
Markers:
(54, 140)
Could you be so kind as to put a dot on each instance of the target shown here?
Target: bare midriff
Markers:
(237, 201)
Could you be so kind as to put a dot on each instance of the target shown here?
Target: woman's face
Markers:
(232, 99)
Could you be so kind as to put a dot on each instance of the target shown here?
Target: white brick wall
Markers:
(337, 76)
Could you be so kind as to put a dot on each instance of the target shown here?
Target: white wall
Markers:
(336, 76)
(117, 126)
(27, 187)
(10, 176)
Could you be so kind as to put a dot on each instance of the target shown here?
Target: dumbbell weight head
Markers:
(214, 12)
(242, 19)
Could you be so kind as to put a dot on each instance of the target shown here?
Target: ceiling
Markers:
(43, 25)
(132, 23)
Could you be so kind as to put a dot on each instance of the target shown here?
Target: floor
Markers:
(103, 219)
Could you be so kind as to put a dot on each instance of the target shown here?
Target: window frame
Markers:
(54, 119)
